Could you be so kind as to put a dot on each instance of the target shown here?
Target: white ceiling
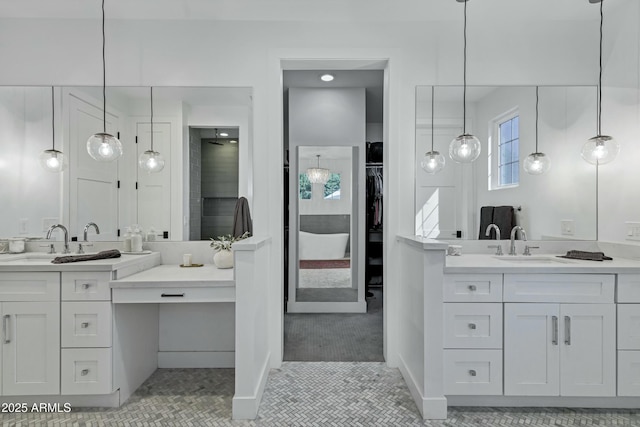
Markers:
(306, 10)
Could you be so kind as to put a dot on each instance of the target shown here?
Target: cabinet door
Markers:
(588, 350)
(31, 348)
(531, 352)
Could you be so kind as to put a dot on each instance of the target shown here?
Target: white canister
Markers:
(16, 245)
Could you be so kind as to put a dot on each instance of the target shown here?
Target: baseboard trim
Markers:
(431, 408)
(246, 407)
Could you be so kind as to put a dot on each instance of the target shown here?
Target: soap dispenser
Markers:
(136, 239)
(127, 240)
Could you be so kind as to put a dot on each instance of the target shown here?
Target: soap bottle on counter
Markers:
(136, 239)
(151, 234)
(127, 240)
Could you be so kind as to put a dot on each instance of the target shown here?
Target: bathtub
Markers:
(322, 246)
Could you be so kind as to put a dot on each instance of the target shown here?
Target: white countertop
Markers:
(539, 263)
(40, 261)
(174, 275)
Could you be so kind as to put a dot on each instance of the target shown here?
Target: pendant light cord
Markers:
(53, 121)
(600, 75)
(432, 108)
(104, 77)
(151, 118)
(537, 100)
(464, 75)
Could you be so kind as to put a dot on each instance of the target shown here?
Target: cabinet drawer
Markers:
(86, 371)
(86, 286)
(86, 324)
(629, 373)
(30, 287)
(569, 288)
(472, 325)
(473, 372)
(175, 294)
(629, 288)
(472, 288)
(629, 326)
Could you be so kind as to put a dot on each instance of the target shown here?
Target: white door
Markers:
(440, 202)
(93, 186)
(31, 348)
(154, 190)
(531, 350)
(588, 350)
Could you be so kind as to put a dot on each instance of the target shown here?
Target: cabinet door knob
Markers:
(84, 372)
(84, 325)
(472, 325)
(473, 288)
(472, 372)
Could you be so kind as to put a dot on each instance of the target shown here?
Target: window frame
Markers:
(494, 149)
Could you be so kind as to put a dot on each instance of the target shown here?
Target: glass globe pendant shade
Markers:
(318, 175)
(432, 162)
(104, 147)
(53, 160)
(600, 149)
(536, 163)
(151, 161)
(464, 148)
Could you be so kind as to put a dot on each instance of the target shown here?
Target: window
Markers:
(505, 168)
(332, 187)
(305, 187)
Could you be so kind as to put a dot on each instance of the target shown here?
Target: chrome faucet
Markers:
(86, 229)
(523, 234)
(498, 246)
(65, 249)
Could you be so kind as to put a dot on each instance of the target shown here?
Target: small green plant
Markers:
(223, 243)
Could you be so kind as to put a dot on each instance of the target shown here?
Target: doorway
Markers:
(333, 291)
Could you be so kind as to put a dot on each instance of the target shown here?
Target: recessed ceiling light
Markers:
(326, 77)
(224, 134)
(233, 141)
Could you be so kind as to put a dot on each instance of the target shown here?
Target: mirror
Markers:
(117, 195)
(559, 204)
(324, 218)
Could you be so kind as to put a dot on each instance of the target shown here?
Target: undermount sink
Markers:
(520, 259)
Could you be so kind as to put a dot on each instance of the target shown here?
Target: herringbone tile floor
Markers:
(305, 394)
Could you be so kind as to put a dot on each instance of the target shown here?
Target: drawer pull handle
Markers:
(472, 372)
(472, 325)
(554, 327)
(567, 330)
(5, 328)
(84, 372)
(473, 288)
(86, 286)
(84, 325)
(172, 295)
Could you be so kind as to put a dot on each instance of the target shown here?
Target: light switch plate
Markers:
(48, 222)
(23, 225)
(567, 227)
(632, 230)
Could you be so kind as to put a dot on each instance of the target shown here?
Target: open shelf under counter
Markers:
(175, 284)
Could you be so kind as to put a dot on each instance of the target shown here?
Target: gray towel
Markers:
(242, 218)
(112, 253)
(586, 255)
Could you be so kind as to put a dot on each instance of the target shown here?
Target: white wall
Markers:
(178, 53)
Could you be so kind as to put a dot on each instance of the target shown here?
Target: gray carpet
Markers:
(326, 295)
(335, 337)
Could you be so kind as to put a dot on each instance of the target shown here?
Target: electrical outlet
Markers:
(567, 227)
(633, 230)
(47, 223)
(23, 225)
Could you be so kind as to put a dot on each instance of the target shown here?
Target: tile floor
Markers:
(304, 394)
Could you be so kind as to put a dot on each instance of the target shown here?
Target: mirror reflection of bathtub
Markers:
(324, 262)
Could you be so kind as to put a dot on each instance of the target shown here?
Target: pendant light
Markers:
(465, 148)
(151, 161)
(601, 148)
(433, 161)
(318, 175)
(536, 163)
(53, 160)
(103, 146)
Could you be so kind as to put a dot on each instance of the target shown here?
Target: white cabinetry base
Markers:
(542, 401)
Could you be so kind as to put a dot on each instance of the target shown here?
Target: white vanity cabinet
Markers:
(628, 298)
(472, 334)
(553, 347)
(86, 325)
(30, 312)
